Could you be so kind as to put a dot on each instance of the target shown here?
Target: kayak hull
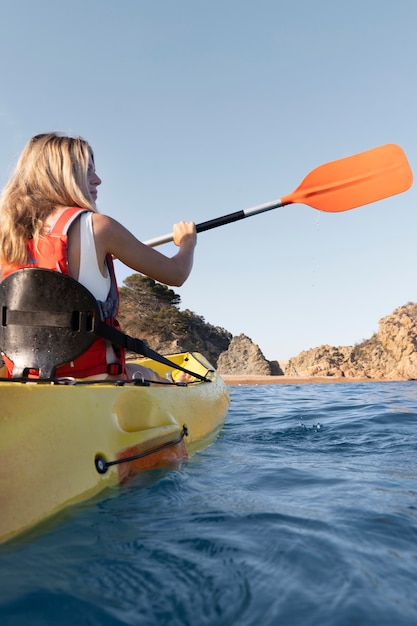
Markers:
(65, 443)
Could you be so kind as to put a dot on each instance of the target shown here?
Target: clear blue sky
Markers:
(196, 109)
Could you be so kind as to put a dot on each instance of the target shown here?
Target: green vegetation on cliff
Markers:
(150, 311)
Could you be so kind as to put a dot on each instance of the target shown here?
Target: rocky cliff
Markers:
(150, 311)
(243, 357)
(390, 354)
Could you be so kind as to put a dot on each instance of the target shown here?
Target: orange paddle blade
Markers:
(356, 180)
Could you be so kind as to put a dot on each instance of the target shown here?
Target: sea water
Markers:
(303, 511)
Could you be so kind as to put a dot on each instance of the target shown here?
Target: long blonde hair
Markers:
(50, 173)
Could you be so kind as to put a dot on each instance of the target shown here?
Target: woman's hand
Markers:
(185, 233)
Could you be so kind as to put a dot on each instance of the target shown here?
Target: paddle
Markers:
(333, 187)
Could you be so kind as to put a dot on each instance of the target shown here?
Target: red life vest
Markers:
(50, 252)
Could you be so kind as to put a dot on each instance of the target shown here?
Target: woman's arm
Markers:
(111, 237)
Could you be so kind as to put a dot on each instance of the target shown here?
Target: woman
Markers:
(48, 218)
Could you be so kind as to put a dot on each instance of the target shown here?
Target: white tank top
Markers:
(90, 275)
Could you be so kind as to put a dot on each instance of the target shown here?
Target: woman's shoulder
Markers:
(106, 225)
(109, 235)
(103, 220)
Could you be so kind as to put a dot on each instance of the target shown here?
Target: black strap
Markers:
(138, 346)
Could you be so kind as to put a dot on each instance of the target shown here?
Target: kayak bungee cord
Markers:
(102, 465)
(136, 382)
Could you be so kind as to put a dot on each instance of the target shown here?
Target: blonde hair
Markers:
(50, 173)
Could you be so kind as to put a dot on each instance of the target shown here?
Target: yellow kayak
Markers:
(65, 441)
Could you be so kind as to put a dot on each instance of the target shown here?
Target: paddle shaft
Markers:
(220, 221)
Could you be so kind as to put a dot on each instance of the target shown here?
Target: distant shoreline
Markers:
(243, 379)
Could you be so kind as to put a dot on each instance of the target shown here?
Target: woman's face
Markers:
(93, 181)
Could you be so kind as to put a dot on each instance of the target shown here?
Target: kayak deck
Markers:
(64, 442)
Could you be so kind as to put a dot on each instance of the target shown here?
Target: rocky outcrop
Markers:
(150, 311)
(390, 354)
(278, 368)
(243, 357)
(323, 361)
